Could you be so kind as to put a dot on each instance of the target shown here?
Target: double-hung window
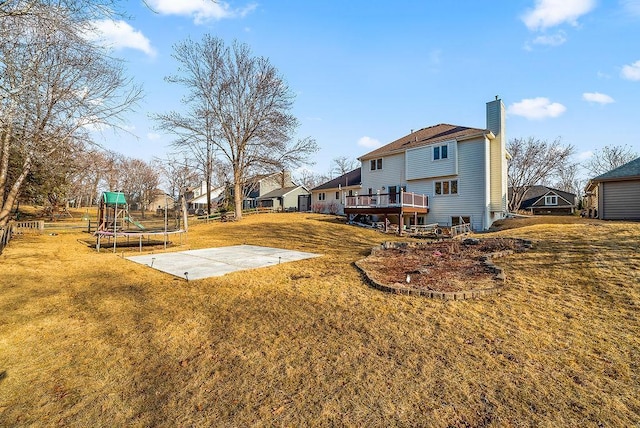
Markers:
(376, 164)
(440, 152)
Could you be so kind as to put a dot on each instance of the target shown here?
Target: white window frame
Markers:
(322, 196)
(375, 164)
(449, 185)
(551, 200)
(438, 149)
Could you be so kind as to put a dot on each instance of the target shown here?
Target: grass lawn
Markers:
(91, 339)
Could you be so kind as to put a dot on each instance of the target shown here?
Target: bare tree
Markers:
(569, 179)
(310, 179)
(532, 162)
(177, 173)
(343, 164)
(238, 105)
(608, 158)
(139, 183)
(54, 86)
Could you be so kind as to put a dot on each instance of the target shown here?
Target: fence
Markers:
(30, 226)
(460, 229)
(14, 227)
(6, 233)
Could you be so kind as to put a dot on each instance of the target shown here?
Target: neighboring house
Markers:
(160, 201)
(197, 198)
(615, 195)
(330, 197)
(261, 185)
(443, 174)
(545, 200)
(284, 199)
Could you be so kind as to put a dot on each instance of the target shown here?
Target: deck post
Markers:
(400, 223)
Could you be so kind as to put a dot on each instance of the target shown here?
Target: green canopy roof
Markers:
(113, 198)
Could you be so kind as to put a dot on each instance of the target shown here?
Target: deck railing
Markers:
(387, 200)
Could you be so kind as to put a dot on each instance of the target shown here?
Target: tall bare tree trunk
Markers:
(237, 194)
(11, 197)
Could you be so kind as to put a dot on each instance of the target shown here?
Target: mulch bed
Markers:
(447, 266)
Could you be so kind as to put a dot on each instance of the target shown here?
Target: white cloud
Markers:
(631, 6)
(536, 108)
(201, 10)
(631, 71)
(551, 40)
(583, 156)
(153, 136)
(120, 35)
(369, 142)
(597, 97)
(550, 13)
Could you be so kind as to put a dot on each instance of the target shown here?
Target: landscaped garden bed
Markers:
(454, 269)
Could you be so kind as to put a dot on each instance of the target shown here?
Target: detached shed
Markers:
(615, 195)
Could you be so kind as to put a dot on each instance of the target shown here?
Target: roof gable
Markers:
(538, 192)
(426, 136)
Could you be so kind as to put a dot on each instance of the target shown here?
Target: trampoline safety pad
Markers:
(210, 262)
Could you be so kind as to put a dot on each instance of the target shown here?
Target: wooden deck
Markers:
(388, 204)
(393, 203)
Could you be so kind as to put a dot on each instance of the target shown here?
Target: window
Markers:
(440, 152)
(350, 192)
(457, 220)
(337, 195)
(322, 196)
(448, 187)
(551, 200)
(376, 164)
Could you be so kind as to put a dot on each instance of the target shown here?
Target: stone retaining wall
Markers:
(397, 288)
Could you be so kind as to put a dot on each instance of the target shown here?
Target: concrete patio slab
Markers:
(210, 262)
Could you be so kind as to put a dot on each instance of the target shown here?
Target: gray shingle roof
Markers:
(278, 192)
(351, 178)
(626, 171)
(534, 193)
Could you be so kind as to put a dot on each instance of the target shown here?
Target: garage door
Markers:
(621, 200)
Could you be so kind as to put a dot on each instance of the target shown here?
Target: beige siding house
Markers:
(283, 199)
(459, 172)
(330, 197)
(615, 195)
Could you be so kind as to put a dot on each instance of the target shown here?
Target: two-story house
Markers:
(445, 174)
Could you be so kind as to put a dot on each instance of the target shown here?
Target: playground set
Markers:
(116, 224)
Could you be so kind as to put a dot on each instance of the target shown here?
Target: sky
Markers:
(366, 73)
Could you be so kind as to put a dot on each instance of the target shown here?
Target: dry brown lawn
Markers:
(90, 339)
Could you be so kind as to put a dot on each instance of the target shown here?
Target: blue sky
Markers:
(366, 73)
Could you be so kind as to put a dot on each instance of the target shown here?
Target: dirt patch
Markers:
(448, 266)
